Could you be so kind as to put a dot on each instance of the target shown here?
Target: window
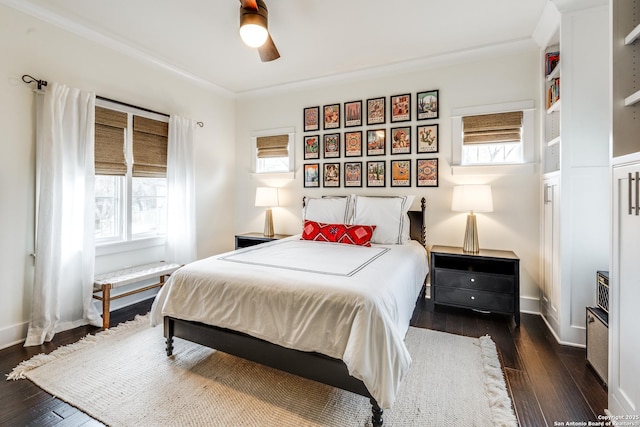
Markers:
(493, 135)
(131, 163)
(273, 151)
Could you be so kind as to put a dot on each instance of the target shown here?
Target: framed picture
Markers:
(376, 111)
(331, 145)
(376, 142)
(311, 119)
(401, 140)
(331, 116)
(331, 175)
(311, 147)
(401, 173)
(353, 144)
(353, 174)
(352, 114)
(376, 173)
(427, 172)
(400, 108)
(312, 175)
(427, 105)
(427, 139)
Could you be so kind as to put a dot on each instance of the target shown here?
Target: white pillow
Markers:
(388, 214)
(330, 210)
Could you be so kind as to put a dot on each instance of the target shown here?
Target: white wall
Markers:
(496, 78)
(29, 46)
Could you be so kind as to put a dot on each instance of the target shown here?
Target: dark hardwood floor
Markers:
(548, 382)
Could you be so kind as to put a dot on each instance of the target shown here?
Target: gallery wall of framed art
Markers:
(378, 142)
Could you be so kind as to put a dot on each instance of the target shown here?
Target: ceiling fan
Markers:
(254, 31)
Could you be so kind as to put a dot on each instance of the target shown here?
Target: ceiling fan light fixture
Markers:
(253, 25)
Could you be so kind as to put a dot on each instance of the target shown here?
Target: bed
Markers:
(325, 311)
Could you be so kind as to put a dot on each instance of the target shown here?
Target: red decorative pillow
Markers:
(338, 233)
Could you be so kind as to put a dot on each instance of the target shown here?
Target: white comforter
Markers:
(349, 302)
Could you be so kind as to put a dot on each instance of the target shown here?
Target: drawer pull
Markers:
(473, 280)
(473, 297)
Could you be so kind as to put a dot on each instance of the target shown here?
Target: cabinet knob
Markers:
(473, 280)
(473, 297)
(590, 319)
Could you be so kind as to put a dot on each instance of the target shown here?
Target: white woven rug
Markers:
(122, 377)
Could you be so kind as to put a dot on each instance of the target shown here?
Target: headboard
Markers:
(417, 223)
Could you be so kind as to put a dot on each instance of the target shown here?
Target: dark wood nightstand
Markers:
(250, 239)
(488, 281)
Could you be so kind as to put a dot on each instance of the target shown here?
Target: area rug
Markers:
(122, 377)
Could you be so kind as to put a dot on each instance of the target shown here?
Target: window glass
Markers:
(148, 206)
(109, 202)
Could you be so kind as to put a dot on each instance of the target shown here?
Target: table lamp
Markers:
(267, 197)
(472, 198)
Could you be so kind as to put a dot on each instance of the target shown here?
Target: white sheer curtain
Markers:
(64, 213)
(181, 222)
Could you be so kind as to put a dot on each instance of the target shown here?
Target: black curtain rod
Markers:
(29, 79)
(139, 108)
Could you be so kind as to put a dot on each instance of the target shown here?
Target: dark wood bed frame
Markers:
(310, 365)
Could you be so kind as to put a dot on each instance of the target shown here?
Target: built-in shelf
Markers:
(554, 107)
(553, 142)
(554, 73)
(632, 99)
(632, 36)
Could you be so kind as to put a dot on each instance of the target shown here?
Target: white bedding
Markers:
(349, 302)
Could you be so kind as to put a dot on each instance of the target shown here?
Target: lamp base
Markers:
(471, 244)
(268, 223)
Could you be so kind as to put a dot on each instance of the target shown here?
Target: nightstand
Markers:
(488, 281)
(250, 239)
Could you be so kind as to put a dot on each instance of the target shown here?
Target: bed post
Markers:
(376, 410)
(168, 334)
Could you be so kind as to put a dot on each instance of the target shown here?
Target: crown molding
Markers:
(112, 42)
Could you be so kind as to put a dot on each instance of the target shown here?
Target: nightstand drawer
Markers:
(486, 301)
(473, 280)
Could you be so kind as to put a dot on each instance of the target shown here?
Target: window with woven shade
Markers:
(492, 128)
(273, 151)
(131, 170)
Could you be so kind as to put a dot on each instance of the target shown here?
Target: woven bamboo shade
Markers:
(492, 128)
(109, 142)
(149, 147)
(272, 146)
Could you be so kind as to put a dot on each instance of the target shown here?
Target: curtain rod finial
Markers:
(40, 83)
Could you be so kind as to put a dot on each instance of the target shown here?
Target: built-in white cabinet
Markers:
(574, 151)
(624, 322)
(624, 275)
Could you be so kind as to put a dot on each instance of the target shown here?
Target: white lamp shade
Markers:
(267, 196)
(253, 35)
(476, 198)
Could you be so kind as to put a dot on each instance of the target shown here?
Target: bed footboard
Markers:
(310, 365)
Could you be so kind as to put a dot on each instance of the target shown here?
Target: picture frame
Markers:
(376, 142)
(376, 111)
(401, 140)
(331, 145)
(376, 173)
(427, 139)
(427, 104)
(353, 144)
(312, 175)
(401, 173)
(331, 175)
(427, 172)
(311, 117)
(400, 106)
(311, 147)
(352, 174)
(352, 114)
(331, 116)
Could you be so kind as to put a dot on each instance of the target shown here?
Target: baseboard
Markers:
(580, 331)
(530, 305)
(13, 335)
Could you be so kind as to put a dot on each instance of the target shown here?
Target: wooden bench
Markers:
(104, 283)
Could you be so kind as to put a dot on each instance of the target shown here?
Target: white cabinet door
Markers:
(551, 249)
(624, 317)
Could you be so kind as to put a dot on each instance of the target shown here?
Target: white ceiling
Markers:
(316, 38)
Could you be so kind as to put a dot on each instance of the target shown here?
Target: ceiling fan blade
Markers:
(249, 4)
(268, 51)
